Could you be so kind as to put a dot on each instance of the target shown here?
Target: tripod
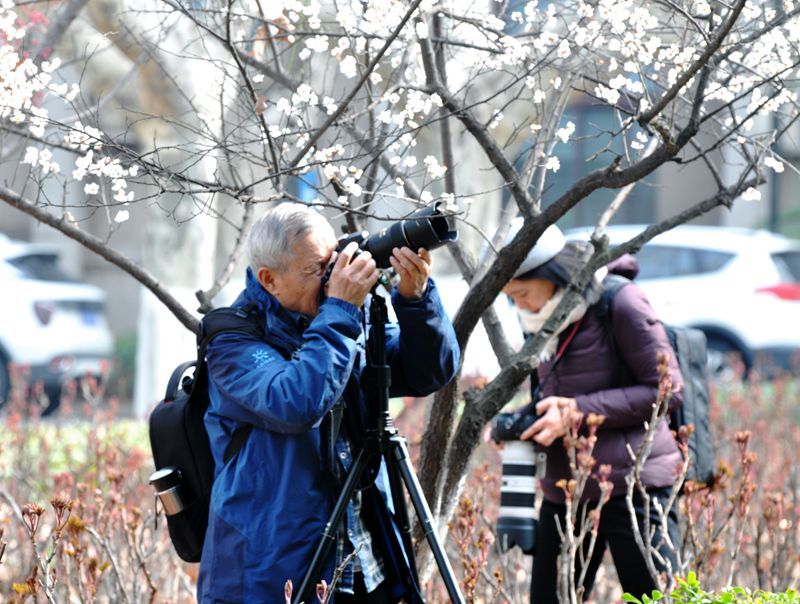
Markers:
(382, 439)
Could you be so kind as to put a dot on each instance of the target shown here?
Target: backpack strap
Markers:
(611, 286)
(175, 380)
(245, 320)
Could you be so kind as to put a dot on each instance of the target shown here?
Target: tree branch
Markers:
(702, 61)
(345, 103)
(99, 247)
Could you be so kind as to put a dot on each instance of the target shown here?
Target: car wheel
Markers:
(5, 381)
(726, 361)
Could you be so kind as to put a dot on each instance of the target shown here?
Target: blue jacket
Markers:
(269, 504)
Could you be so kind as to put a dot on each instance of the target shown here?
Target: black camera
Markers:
(427, 227)
(522, 467)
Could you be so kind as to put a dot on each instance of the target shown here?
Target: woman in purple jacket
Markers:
(583, 369)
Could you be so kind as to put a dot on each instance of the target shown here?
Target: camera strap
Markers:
(536, 383)
(329, 430)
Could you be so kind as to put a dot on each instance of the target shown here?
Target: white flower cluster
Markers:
(347, 176)
(84, 137)
(565, 132)
(434, 168)
(104, 166)
(42, 159)
(630, 52)
(23, 89)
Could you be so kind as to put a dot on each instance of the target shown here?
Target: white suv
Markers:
(53, 326)
(740, 286)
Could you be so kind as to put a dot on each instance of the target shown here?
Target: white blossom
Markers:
(351, 186)
(565, 132)
(751, 194)
(773, 163)
(122, 216)
(434, 168)
(317, 43)
(348, 66)
(552, 164)
(31, 156)
(329, 105)
(609, 95)
(91, 188)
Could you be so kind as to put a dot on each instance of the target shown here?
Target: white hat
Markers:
(550, 243)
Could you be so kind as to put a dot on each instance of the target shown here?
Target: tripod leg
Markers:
(401, 514)
(399, 456)
(307, 589)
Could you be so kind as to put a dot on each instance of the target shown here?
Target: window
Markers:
(709, 261)
(788, 264)
(588, 149)
(43, 267)
(662, 261)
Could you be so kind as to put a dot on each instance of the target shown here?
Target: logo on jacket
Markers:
(262, 357)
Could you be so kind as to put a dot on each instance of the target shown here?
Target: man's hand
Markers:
(352, 278)
(555, 413)
(413, 269)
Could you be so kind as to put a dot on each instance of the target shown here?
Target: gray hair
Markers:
(273, 236)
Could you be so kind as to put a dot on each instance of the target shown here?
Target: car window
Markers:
(43, 267)
(788, 264)
(662, 261)
(709, 261)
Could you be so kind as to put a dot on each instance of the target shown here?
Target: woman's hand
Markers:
(555, 413)
(413, 269)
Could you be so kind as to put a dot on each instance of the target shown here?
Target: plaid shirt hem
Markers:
(356, 536)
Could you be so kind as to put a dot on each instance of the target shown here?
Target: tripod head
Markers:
(377, 375)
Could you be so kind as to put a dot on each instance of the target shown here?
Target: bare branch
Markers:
(100, 248)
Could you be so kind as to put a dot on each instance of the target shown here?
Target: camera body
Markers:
(522, 467)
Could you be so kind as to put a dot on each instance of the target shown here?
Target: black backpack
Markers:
(178, 435)
(690, 348)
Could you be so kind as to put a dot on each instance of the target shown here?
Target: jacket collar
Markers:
(284, 324)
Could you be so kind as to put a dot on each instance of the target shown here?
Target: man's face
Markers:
(297, 287)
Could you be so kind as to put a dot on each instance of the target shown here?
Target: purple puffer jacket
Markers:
(622, 391)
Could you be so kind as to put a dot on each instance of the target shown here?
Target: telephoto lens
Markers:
(522, 467)
(428, 227)
(516, 522)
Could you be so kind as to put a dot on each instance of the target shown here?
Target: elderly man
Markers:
(271, 500)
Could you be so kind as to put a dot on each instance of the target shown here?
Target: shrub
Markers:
(77, 517)
(689, 591)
